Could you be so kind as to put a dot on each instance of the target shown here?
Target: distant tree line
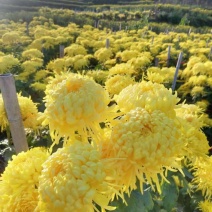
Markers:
(187, 2)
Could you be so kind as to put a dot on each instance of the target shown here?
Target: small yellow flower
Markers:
(117, 83)
(205, 206)
(198, 91)
(75, 49)
(122, 68)
(29, 113)
(11, 37)
(98, 75)
(147, 95)
(32, 53)
(19, 182)
(103, 54)
(7, 62)
(203, 177)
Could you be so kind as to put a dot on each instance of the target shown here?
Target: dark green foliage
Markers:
(137, 202)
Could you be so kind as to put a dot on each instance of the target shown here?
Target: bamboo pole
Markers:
(177, 70)
(7, 86)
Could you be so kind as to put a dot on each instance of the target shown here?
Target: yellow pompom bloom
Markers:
(74, 179)
(117, 83)
(202, 176)
(164, 75)
(127, 55)
(103, 54)
(7, 62)
(191, 113)
(29, 113)
(197, 91)
(195, 143)
(58, 65)
(75, 49)
(139, 63)
(32, 53)
(191, 120)
(19, 182)
(98, 75)
(11, 37)
(38, 86)
(75, 103)
(79, 62)
(142, 142)
(147, 95)
(40, 75)
(30, 66)
(122, 68)
(205, 206)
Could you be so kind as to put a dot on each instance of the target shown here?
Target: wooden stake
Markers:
(152, 40)
(107, 43)
(177, 70)
(7, 86)
(156, 62)
(61, 49)
(210, 54)
(168, 55)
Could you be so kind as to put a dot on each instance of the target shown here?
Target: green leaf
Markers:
(137, 202)
(170, 193)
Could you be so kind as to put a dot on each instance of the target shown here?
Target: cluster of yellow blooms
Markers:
(29, 113)
(145, 135)
(106, 147)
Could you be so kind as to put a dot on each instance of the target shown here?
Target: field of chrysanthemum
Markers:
(107, 126)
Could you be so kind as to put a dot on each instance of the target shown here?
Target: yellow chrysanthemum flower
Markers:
(198, 91)
(11, 37)
(75, 104)
(139, 63)
(164, 75)
(117, 83)
(40, 75)
(127, 55)
(38, 86)
(19, 182)
(191, 120)
(29, 113)
(191, 113)
(142, 143)
(148, 95)
(205, 206)
(122, 68)
(58, 65)
(98, 75)
(32, 53)
(7, 62)
(103, 54)
(30, 67)
(202, 176)
(74, 179)
(75, 49)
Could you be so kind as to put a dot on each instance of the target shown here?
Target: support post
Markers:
(7, 86)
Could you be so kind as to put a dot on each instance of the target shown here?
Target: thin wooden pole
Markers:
(168, 56)
(177, 70)
(61, 49)
(7, 86)
(107, 44)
